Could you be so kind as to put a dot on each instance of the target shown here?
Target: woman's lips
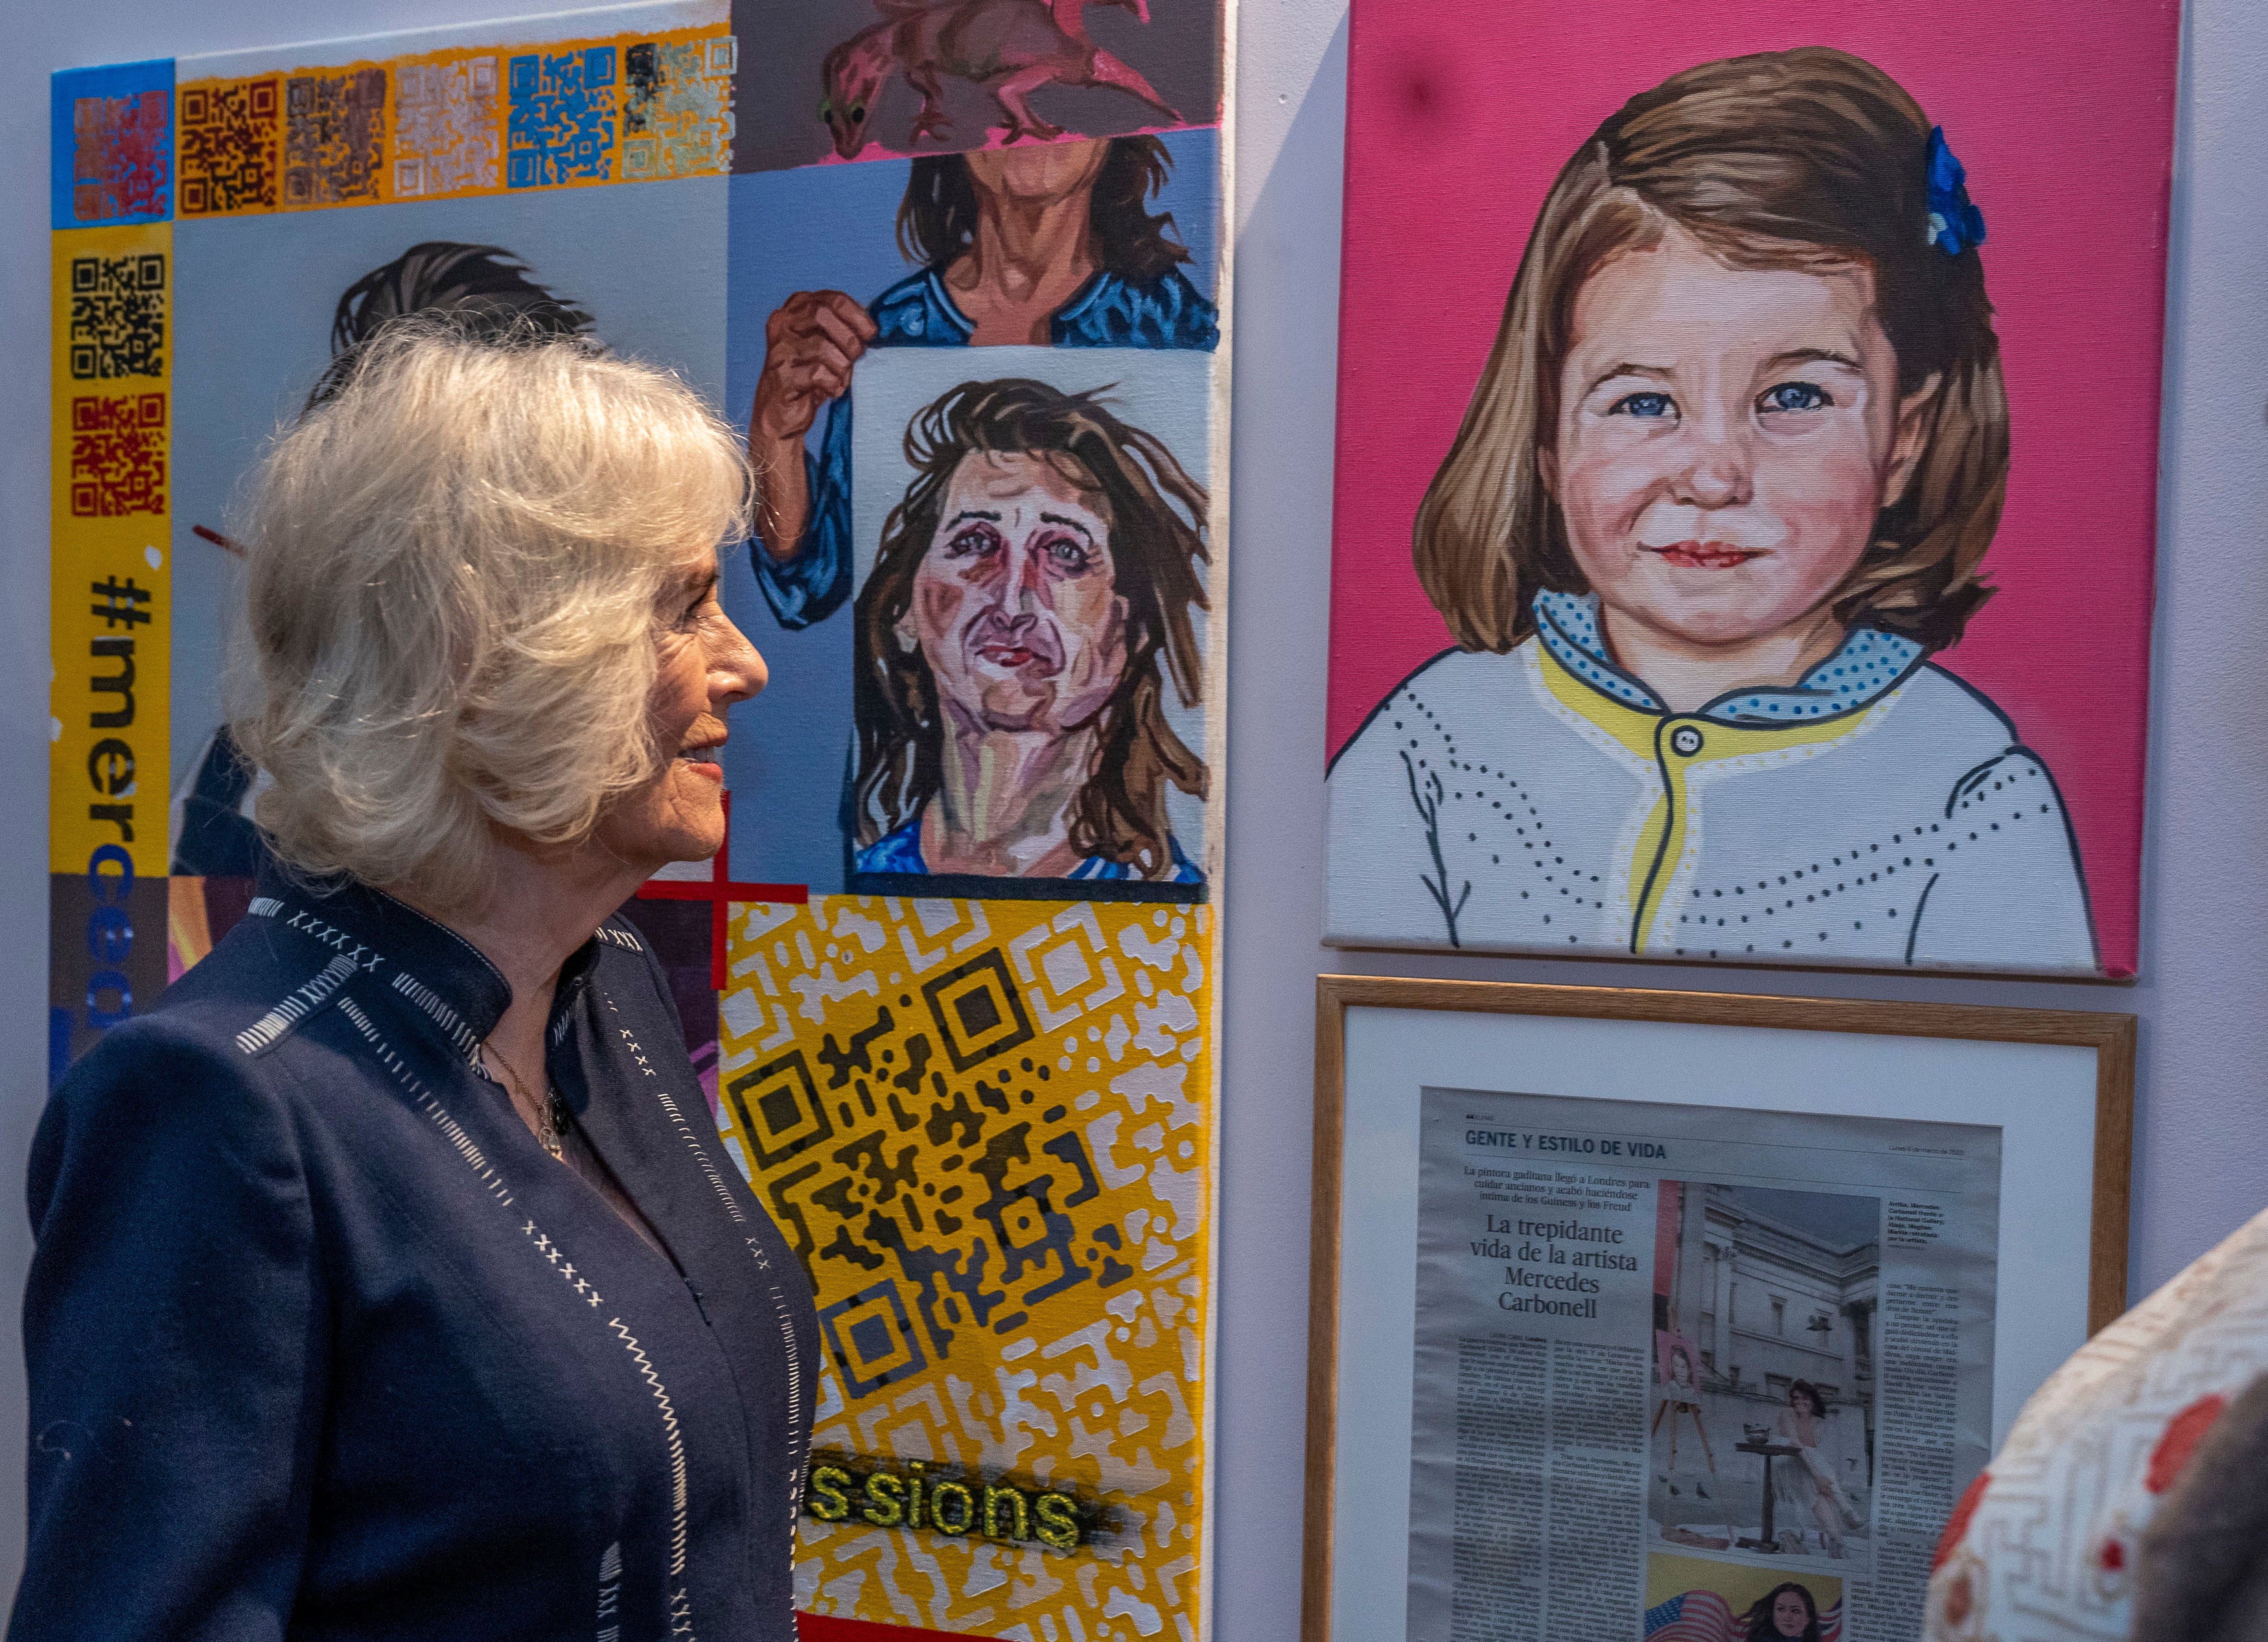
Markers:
(1011, 646)
(1039, 657)
(1705, 555)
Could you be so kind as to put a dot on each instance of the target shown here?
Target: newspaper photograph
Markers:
(1691, 1374)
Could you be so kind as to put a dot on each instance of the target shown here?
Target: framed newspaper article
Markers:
(1684, 1316)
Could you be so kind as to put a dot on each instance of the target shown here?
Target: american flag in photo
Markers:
(1705, 1616)
(1693, 1617)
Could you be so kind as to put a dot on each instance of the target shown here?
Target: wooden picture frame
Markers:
(2105, 1165)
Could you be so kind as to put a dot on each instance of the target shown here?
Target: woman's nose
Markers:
(736, 667)
(1718, 469)
(1026, 578)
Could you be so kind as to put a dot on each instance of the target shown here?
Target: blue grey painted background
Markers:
(255, 297)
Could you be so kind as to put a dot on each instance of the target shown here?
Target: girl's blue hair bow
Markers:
(1955, 222)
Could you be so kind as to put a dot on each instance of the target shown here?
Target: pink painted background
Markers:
(1460, 113)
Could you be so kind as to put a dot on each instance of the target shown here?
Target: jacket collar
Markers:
(1866, 667)
(442, 977)
(944, 315)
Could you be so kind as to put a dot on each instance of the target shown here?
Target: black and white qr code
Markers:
(117, 317)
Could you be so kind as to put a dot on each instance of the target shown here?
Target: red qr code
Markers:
(119, 153)
(118, 455)
(228, 156)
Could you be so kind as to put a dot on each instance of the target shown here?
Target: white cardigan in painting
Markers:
(1879, 814)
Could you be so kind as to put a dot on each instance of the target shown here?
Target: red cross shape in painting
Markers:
(719, 891)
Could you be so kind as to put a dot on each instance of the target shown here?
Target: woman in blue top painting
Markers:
(1031, 593)
(1051, 244)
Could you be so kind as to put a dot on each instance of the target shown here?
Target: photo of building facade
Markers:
(1765, 1295)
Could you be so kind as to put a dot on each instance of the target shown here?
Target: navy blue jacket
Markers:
(323, 1346)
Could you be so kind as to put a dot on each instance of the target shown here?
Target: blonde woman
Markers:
(391, 1279)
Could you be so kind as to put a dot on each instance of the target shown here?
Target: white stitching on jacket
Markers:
(304, 999)
(692, 1140)
(680, 1618)
(468, 1042)
(610, 1593)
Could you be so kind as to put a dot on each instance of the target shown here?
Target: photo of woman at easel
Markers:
(1681, 1395)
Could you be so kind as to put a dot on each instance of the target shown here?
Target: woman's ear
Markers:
(1917, 417)
(908, 641)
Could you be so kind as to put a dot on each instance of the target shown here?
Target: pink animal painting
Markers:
(1011, 48)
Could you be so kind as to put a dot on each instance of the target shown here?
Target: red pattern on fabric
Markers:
(2181, 1435)
(1957, 1524)
(1960, 1597)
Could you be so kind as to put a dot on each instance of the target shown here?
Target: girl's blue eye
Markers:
(1795, 396)
(1648, 405)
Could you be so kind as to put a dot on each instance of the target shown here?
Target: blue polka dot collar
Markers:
(1863, 668)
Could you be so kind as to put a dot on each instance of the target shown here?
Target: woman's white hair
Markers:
(458, 566)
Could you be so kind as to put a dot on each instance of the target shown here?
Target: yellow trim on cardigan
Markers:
(1677, 745)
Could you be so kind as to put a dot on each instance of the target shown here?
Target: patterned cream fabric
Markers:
(2044, 1547)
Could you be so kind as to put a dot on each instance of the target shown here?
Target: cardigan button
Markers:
(1685, 740)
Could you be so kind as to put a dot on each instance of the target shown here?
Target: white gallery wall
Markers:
(2202, 1120)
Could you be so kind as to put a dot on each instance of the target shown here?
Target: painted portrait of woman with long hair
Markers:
(1034, 598)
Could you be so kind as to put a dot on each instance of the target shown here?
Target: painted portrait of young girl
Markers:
(1724, 490)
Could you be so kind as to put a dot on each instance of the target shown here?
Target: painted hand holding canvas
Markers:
(1737, 562)
(950, 985)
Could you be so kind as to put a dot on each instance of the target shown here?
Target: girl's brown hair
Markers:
(937, 220)
(1760, 1624)
(1810, 159)
(1156, 552)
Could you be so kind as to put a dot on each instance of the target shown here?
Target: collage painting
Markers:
(1741, 553)
(958, 272)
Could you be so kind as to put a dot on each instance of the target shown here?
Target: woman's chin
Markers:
(1718, 623)
(696, 837)
(689, 850)
(687, 832)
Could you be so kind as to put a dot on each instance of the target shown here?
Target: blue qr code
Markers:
(562, 128)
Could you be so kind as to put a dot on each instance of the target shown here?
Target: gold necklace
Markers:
(548, 1126)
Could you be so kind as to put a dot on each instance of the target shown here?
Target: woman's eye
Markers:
(972, 544)
(1645, 405)
(1067, 553)
(1794, 396)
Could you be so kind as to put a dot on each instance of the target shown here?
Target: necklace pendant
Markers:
(554, 1127)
